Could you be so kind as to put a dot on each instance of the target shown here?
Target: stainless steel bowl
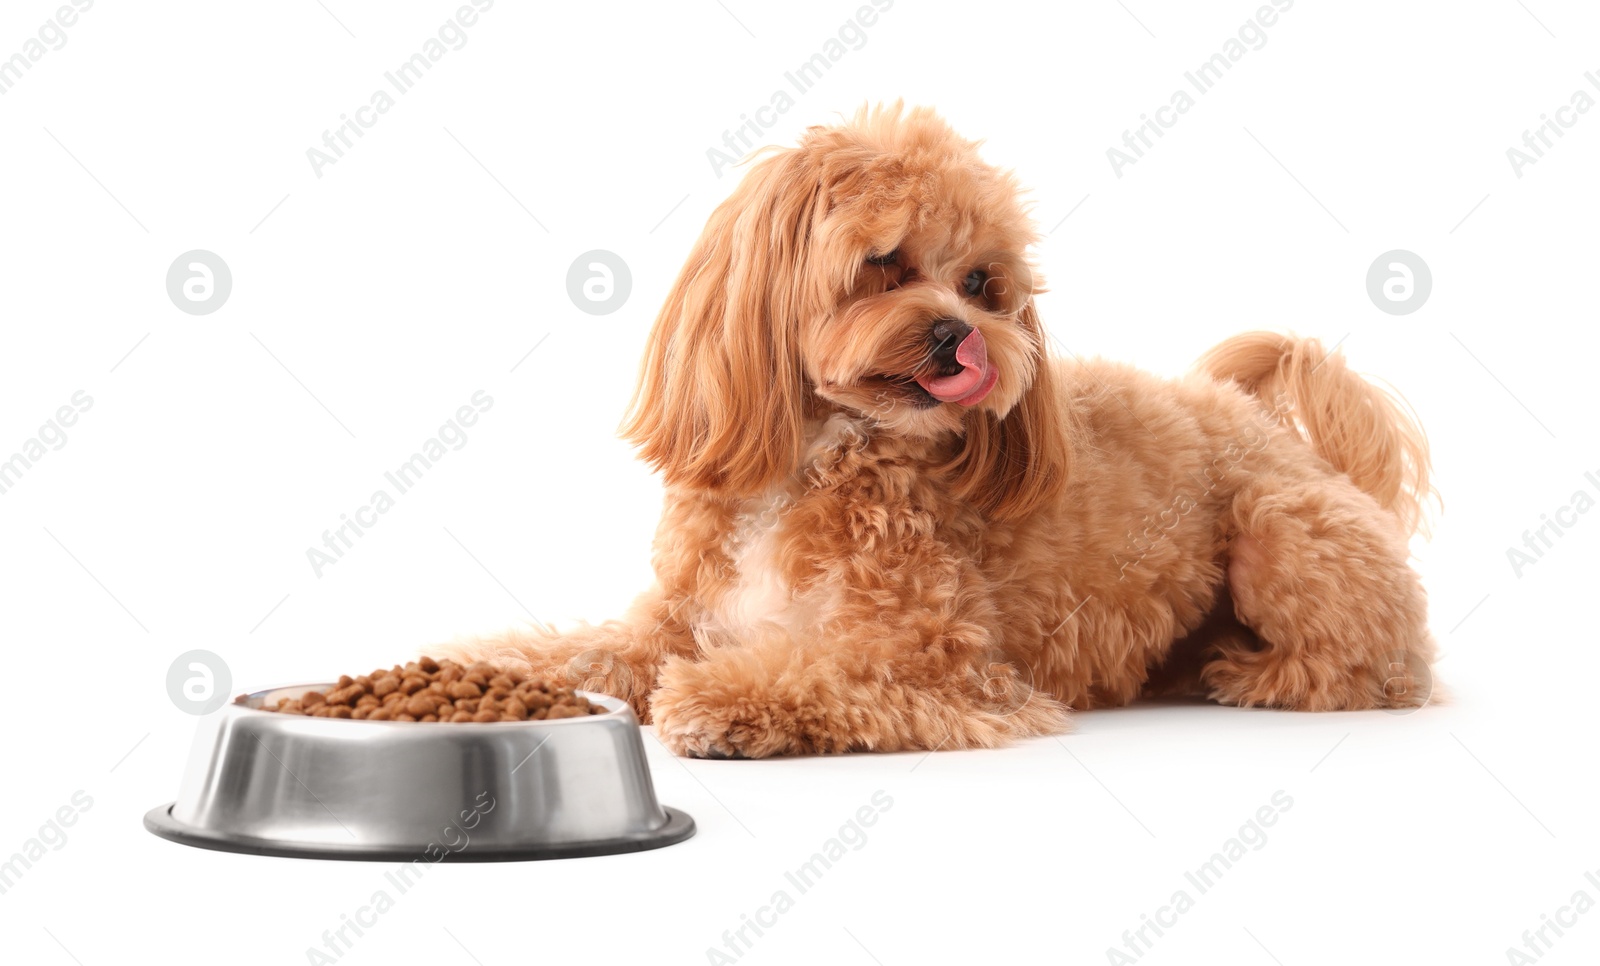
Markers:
(280, 784)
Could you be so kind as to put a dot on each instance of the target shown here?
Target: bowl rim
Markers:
(621, 711)
(677, 827)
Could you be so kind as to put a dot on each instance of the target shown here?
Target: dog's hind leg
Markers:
(1318, 570)
(1178, 673)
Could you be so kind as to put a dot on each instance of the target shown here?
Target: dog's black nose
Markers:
(945, 335)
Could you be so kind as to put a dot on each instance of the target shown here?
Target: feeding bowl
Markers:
(267, 783)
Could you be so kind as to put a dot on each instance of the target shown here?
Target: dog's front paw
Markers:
(712, 710)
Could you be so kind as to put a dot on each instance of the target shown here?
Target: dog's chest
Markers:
(761, 546)
(758, 593)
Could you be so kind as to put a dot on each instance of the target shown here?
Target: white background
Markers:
(373, 301)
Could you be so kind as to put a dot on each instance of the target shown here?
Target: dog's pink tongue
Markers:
(974, 356)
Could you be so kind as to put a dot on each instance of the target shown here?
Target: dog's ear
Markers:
(1009, 466)
(721, 398)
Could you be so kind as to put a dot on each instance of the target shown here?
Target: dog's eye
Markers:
(888, 259)
(975, 281)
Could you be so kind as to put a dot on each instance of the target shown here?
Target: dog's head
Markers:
(881, 269)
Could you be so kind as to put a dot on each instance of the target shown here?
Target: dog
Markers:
(893, 521)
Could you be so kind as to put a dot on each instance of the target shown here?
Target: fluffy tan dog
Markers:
(894, 522)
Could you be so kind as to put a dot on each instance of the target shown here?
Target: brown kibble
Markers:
(343, 695)
(442, 690)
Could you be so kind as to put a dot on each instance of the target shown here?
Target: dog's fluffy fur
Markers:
(848, 563)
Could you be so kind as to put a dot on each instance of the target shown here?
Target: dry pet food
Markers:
(429, 690)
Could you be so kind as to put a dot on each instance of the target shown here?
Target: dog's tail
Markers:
(1368, 434)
